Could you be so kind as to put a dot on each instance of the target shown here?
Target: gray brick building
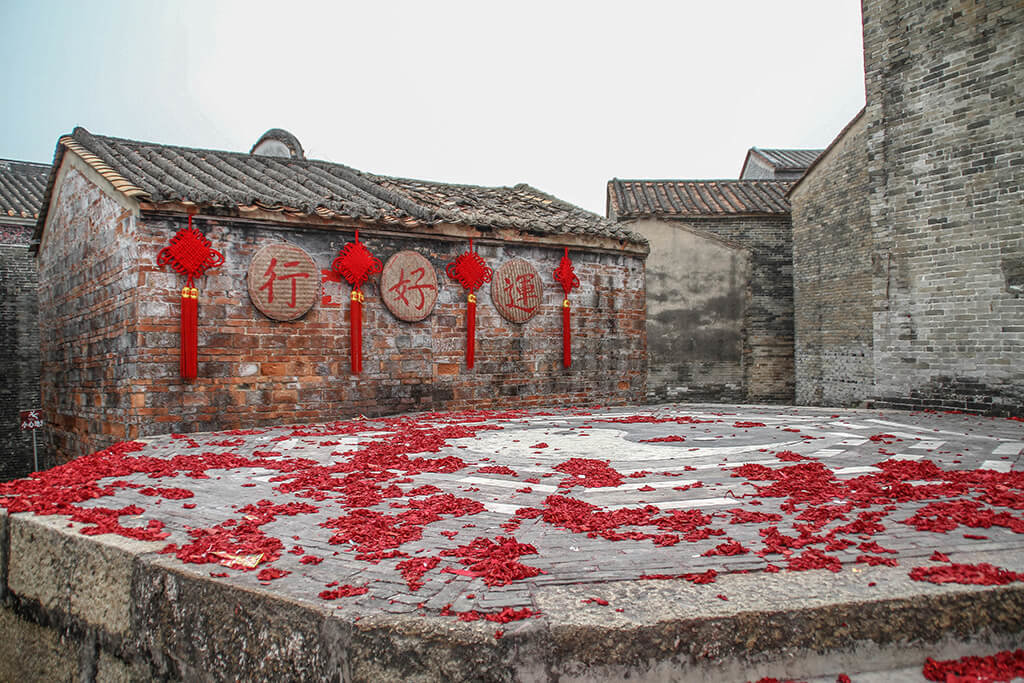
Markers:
(719, 286)
(21, 192)
(909, 233)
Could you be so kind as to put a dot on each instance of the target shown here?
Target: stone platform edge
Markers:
(107, 608)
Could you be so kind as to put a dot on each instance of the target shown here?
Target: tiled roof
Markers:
(682, 198)
(164, 173)
(788, 159)
(22, 184)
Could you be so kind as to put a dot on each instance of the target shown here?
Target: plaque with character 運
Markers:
(283, 280)
(516, 291)
(408, 286)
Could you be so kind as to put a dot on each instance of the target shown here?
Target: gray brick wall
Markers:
(19, 352)
(110, 364)
(832, 286)
(720, 328)
(945, 161)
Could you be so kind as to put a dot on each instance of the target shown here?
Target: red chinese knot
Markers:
(355, 263)
(190, 253)
(565, 275)
(469, 270)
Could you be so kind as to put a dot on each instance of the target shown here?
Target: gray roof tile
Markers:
(681, 198)
(22, 185)
(166, 173)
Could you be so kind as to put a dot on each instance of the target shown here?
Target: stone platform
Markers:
(674, 542)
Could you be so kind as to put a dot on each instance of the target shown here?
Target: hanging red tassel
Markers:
(356, 264)
(471, 272)
(566, 335)
(190, 254)
(566, 276)
(356, 330)
(470, 329)
(189, 332)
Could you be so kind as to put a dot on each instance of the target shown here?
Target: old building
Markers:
(719, 286)
(909, 234)
(21, 193)
(110, 359)
(777, 164)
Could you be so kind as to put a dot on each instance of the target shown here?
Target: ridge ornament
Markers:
(190, 254)
(566, 276)
(470, 270)
(356, 264)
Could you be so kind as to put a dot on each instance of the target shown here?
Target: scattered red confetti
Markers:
(539, 445)
(496, 561)
(343, 591)
(982, 574)
(497, 469)
(596, 601)
(748, 425)
(311, 559)
(664, 439)
(875, 560)
(939, 557)
(271, 573)
(728, 548)
(413, 570)
(588, 473)
(1003, 666)
(722, 596)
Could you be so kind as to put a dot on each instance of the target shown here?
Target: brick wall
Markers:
(87, 294)
(256, 371)
(720, 317)
(19, 351)
(832, 276)
(945, 162)
(696, 291)
(768, 318)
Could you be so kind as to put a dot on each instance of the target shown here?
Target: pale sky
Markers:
(561, 95)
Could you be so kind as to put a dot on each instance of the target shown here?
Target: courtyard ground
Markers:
(668, 542)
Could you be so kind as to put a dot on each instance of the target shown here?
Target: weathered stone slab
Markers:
(88, 577)
(29, 652)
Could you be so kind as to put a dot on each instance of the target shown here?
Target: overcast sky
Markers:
(561, 95)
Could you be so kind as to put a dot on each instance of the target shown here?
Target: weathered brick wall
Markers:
(768, 319)
(696, 291)
(723, 329)
(19, 351)
(253, 370)
(111, 371)
(832, 277)
(87, 293)
(945, 151)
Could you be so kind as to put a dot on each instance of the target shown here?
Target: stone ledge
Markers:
(177, 623)
(88, 577)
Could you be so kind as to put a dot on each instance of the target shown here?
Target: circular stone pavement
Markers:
(616, 518)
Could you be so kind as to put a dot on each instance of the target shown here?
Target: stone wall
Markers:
(720, 319)
(19, 352)
(111, 369)
(697, 291)
(945, 171)
(88, 274)
(768, 319)
(832, 276)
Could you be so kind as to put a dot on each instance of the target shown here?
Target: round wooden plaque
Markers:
(283, 281)
(408, 285)
(516, 291)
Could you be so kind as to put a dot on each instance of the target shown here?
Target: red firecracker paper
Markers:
(356, 264)
(471, 272)
(190, 254)
(566, 276)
